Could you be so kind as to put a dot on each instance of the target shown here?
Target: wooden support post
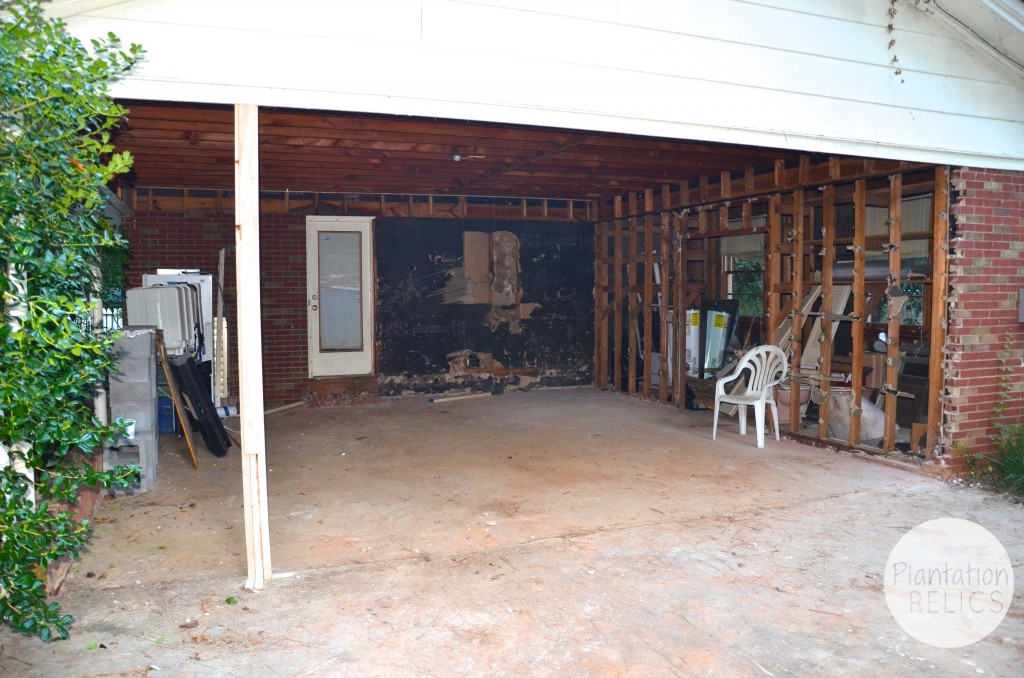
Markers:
(748, 188)
(892, 351)
(725, 190)
(633, 303)
(774, 268)
(938, 315)
(828, 260)
(797, 324)
(601, 306)
(430, 205)
(679, 309)
(860, 207)
(250, 345)
(665, 301)
(648, 307)
(619, 300)
(679, 290)
(835, 170)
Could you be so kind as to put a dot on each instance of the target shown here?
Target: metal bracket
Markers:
(834, 316)
(890, 390)
(894, 292)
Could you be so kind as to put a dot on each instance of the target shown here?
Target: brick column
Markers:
(985, 343)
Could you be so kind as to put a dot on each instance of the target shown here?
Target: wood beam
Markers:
(828, 260)
(774, 268)
(892, 348)
(250, 346)
(806, 177)
(859, 259)
(665, 262)
(648, 307)
(939, 308)
(797, 324)
(681, 225)
(632, 304)
(617, 317)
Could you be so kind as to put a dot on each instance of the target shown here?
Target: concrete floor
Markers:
(560, 532)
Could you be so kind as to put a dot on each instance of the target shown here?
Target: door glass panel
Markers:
(340, 269)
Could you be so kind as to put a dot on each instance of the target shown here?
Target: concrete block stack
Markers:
(133, 395)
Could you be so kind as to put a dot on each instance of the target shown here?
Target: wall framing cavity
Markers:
(852, 289)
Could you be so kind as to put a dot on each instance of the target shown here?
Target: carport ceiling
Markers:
(192, 146)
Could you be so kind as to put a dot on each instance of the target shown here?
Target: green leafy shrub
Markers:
(55, 122)
(1008, 461)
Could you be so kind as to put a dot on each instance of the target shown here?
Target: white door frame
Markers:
(337, 363)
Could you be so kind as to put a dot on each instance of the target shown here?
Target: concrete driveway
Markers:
(559, 532)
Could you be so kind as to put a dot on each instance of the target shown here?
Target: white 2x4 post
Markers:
(250, 346)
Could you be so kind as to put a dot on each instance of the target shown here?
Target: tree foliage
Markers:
(55, 123)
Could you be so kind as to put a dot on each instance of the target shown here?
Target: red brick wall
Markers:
(185, 239)
(985, 344)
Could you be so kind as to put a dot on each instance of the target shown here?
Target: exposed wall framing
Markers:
(153, 199)
(835, 220)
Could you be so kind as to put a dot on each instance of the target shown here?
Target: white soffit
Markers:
(997, 26)
(799, 75)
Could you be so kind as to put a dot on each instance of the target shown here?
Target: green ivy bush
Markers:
(55, 122)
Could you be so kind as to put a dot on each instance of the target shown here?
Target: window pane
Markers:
(341, 310)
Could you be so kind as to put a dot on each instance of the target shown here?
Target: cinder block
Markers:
(135, 342)
(133, 370)
(142, 452)
(145, 416)
(132, 393)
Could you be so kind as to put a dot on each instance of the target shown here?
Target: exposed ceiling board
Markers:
(192, 146)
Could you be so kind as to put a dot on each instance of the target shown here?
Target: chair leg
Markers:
(714, 427)
(759, 422)
(742, 414)
(775, 418)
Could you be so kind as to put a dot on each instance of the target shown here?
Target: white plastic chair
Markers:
(767, 366)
